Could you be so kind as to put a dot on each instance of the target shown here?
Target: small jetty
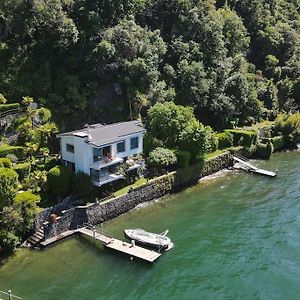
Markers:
(108, 241)
(120, 246)
(242, 163)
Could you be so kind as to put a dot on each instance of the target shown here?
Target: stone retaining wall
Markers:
(99, 212)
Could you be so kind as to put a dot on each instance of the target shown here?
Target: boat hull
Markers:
(128, 233)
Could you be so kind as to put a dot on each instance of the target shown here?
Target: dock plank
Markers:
(57, 238)
(122, 247)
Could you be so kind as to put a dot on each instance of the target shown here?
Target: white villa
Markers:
(98, 150)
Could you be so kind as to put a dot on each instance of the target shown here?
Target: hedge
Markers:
(22, 170)
(225, 139)
(278, 142)
(242, 137)
(264, 150)
(6, 107)
(16, 150)
(183, 158)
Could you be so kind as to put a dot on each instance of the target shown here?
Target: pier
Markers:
(108, 241)
(243, 164)
(120, 246)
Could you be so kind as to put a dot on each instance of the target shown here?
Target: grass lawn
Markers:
(125, 189)
(213, 154)
(262, 124)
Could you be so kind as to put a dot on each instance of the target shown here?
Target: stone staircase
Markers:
(36, 238)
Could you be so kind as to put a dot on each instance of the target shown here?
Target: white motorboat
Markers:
(150, 239)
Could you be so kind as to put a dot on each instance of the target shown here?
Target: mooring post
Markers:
(9, 295)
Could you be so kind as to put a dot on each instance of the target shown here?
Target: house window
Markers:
(104, 172)
(121, 147)
(70, 148)
(134, 142)
(95, 174)
(97, 154)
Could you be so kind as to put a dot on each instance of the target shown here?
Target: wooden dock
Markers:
(243, 164)
(123, 247)
(57, 238)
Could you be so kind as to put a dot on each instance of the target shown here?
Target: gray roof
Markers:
(99, 134)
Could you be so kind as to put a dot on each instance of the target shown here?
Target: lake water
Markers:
(236, 236)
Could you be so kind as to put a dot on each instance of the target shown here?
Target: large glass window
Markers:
(70, 148)
(121, 147)
(97, 154)
(134, 142)
(104, 172)
(95, 174)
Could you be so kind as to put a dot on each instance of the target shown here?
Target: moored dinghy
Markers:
(149, 239)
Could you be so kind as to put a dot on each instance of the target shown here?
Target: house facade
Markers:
(99, 150)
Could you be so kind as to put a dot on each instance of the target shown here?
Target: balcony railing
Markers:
(105, 162)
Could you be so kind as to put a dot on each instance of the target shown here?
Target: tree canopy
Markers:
(233, 61)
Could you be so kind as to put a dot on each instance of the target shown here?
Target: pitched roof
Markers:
(99, 134)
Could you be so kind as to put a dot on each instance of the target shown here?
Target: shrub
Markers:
(5, 162)
(212, 141)
(8, 241)
(160, 160)
(225, 139)
(183, 158)
(249, 151)
(81, 185)
(44, 115)
(15, 150)
(264, 150)
(26, 197)
(28, 204)
(8, 186)
(7, 107)
(50, 162)
(289, 127)
(3, 100)
(278, 142)
(59, 181)
(242, 137)
(23, 170)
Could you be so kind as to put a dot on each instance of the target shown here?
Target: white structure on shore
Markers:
(98, 150)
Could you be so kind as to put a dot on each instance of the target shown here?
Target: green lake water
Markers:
(236, 236)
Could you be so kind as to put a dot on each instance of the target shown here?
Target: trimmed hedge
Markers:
(6, 107)
(183, 158)
(22, 170)
(278, 142)
(264, 150)
(242, 137)
(16, 150)
(225, 139)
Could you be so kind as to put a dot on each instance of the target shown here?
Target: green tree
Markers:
(59, 181)
(82, 185)
(8, 241)
(27, 203)
(161, 160)
(8, 186)
(176, 127)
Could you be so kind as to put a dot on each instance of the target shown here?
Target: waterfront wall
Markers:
(99, 212)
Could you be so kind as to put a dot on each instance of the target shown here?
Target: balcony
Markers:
(107, 179)
(135, 163)
(106, 162)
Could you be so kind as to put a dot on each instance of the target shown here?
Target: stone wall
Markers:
(99, 212)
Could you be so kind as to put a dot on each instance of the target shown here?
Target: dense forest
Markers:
(234, 61)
